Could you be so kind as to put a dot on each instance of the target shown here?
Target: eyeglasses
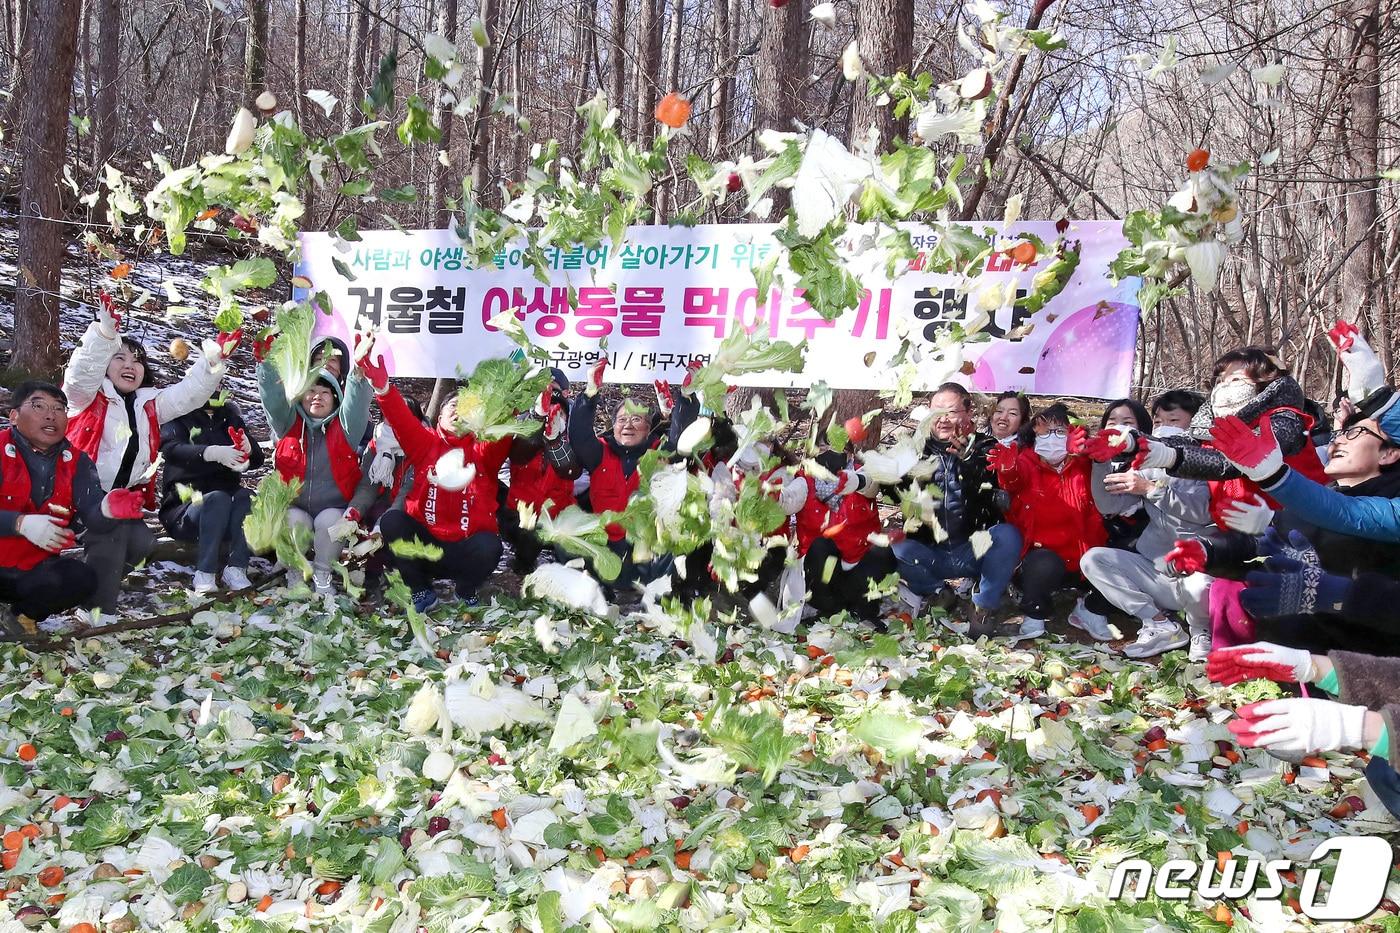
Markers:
(44, 408)
(1355, 431)
(631, 419)
(1053, 432)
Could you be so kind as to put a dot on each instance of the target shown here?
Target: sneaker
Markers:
(1031, 628)
(425, 601)
(323, 584)
(1157, 638)
(910, 601)
(1200, 647)
(236, 578)
(205, 583)
(1081, 617)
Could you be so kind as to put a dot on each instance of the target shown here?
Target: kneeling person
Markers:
(44, 481)
(452, 505)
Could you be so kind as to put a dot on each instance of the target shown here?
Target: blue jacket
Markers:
(1373, 517)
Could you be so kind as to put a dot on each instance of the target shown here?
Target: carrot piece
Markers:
(1222, 859)
(30, 831)
(327, 888)
(27, 752)
(797, 853)
(265, 903)
(13, 840)
(52, 876)
(683, 860)
(498, 816)
(1090, 812)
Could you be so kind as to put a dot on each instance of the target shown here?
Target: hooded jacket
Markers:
(321, 489)
(102, 421)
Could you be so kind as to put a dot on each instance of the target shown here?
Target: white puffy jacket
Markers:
(86, 376)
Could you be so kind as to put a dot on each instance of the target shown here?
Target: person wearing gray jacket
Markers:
(1141, 583)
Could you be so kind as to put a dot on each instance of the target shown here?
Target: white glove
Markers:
(1154, 455)
(45, 532)
(847, 482)
(1265, 652)
(232, 457)
(381, 469)
(385, 441)
(1300, 726)
(1251, 518)
(347, 527)
(108, 323)
(214, 355)
(1362, 372)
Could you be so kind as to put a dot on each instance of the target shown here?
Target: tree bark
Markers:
(782, 70)
(299, 74)
(486, 66)
(1363, 164)
(648, 66)
(587, 51)
(440, 176)
(254, 53)
(725, 37)
(44, 140)
(109, 31)
(885, 37)
(358, 30)
(617, 56)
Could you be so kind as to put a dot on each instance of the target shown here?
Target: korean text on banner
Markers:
(669, 295)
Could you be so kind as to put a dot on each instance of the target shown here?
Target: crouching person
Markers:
(452, 504)
(316, 445)
(840, 562)
(202, 495)
(44, 483)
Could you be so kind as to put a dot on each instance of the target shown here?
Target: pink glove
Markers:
(123, 504)
(1187, 557)
(1109, 443)
(1260, 661)
(239, 437)
(1255, 455)
(595, 377)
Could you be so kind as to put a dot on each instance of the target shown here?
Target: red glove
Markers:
(1188, 556)
(352, 514)
(1109, 443)
(555, 420)
(1259, 661)
(239, 437)
(542, 403)
(109, 306)
(376, 373)
(123, 504)
(1003, 459)
(228, 342)
(262, 345)
(1077, 442)
(1343, 335)
(1255, 455)
(692, 368)
(595, 377)
(1152, 454)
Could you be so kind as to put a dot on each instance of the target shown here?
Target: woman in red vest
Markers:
(835, 522)
(452, 505)
(44, 483)
(317, 438)
(116, 411)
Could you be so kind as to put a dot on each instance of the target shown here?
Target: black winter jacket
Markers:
(182, 445)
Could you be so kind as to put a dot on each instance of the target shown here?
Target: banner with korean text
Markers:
(669, 295)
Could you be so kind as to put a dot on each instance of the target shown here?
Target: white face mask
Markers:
(1167, 430)
(1229, 397)
(1007, 441)
(1052, 448)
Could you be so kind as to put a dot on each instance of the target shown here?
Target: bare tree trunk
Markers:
(722, 84)
(299, 73)
(782, 70)
(486, 64)
(669, 197)
(358, 28)
(439, 176)
(255, 53)
(13, 114)
(1363, 164)
(586, 49)
(885, 37)
(617, 56)
(109, 33)
(648, 66)
(45, 136)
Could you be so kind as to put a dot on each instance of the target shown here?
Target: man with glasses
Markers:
(44, 485)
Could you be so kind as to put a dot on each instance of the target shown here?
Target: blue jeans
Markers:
(925, 569)
(212, 521)
(1385, 782)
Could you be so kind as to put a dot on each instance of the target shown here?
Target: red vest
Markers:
(289, 456)
(610, 491)
(453, 514)
(811, 518)
(535, 481)
(15, 550)
(85, 431)
(851, 526)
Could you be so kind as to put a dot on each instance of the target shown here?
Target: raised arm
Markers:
(87, 367)
(273, 395)
(1374, 517)
(582, 439)
(354, 409)
(191, 392)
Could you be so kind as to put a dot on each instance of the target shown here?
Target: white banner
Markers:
(669, 295)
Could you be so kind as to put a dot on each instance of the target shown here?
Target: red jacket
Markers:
(811, 518)
(15, 550)
(289, 456)
(535, 481)
(851, 525)
(1226, 492)
(1054, 508)
(450, 515)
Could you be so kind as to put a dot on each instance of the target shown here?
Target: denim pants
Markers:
(925, 568)
(217, 518)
